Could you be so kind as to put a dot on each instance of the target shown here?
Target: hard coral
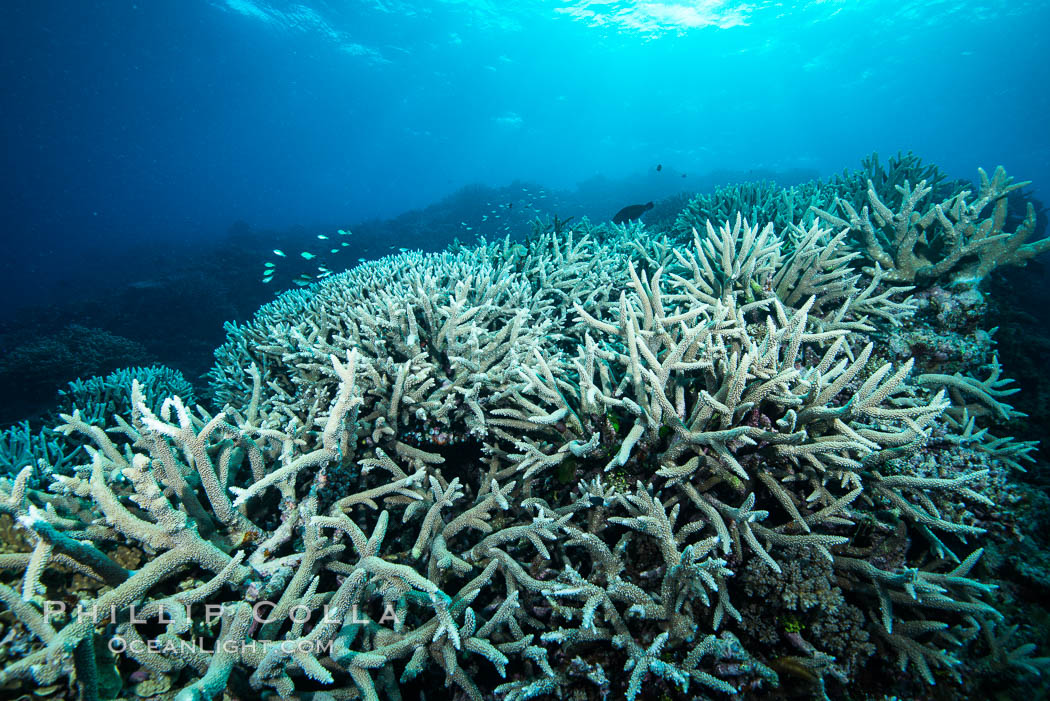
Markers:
(596, 463)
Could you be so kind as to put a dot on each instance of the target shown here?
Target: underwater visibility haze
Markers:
(566, 349)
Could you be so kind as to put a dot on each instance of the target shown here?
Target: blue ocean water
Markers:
(163, 158)
(134, 124)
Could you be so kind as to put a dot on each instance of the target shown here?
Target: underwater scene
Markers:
(577, 350)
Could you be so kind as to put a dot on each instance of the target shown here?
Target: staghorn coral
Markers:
(20, 445)
(750, 265)
(99, 397)
(959, 239)
(766, 202)
(428, 471)
(907, 217)
(904, 167)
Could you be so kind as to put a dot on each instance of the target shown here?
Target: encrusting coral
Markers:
(596, 463)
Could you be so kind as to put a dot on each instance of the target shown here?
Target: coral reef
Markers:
(600, 463)
(20, 445)
(100, 397)
(908, 219)
(960, 239)
(759, 202)
(32, 371)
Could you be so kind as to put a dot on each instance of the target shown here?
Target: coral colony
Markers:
(602, 462)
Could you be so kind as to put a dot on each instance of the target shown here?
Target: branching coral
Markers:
(959, 239)
(750, 265)
(429, 470)
(100, 397)
(763, 202)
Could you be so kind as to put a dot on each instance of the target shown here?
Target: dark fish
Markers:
(659, 167)
(683, 175)
(635, 211)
